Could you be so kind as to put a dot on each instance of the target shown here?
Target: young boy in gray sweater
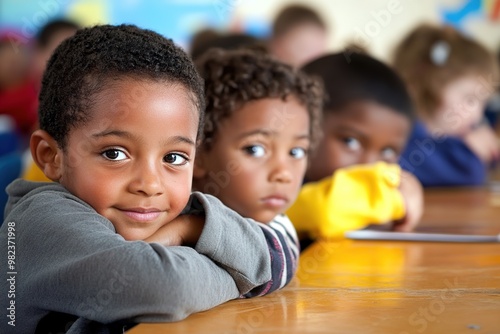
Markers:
(118, 238)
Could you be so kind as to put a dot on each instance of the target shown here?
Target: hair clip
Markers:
(440, 51)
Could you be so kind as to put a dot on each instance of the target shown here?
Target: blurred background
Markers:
(376, 24)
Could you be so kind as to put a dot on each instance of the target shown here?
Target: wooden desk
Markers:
(378, 286)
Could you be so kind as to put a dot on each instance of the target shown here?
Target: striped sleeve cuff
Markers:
(284, 250)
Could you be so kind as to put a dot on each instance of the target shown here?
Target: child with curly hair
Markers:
(121, 110)
(451, 78)
(260, 122)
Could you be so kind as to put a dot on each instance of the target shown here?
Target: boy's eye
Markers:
(175, 159)
(114, 154)
(352, 143)
(389, 154)
(255, 150)
(298, 152)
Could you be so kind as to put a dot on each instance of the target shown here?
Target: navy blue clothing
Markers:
(441, 161)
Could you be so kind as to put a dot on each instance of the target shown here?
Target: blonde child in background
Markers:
(451, 78)
(120, 115)
(353, 179)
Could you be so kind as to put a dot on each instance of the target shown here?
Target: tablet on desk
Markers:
(412, 236)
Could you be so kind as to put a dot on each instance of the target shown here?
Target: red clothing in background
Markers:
(21, 103)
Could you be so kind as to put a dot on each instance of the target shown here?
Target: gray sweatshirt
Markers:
(67, 265)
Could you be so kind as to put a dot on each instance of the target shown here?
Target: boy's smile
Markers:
(361, 133)
(256, 162)
(142, 214)
(132, 161)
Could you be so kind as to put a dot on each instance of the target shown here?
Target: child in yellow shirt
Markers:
(353, 179)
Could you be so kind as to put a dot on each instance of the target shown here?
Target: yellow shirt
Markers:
(353, 198)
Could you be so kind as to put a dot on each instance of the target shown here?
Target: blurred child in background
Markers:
(451, 78)
(21, 69)
(207, 38)
(353, 179)
(18, 94)
(260, 121)
(18, 101)
(46, 41)
(48, 38)
(22, 102)
(299, 34)
(492, 112)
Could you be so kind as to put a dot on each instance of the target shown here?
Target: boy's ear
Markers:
(199, 170)
(46, 154)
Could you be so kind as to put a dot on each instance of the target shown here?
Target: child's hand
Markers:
(185, 230)
(484, 143)
(413, 194)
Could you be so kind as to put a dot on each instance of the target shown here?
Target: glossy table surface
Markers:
(352, 286)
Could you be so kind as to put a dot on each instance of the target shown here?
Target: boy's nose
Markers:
(147, 181)
(280, 171)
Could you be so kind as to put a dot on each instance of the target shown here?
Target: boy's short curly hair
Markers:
(233, 78)
(84, 63)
